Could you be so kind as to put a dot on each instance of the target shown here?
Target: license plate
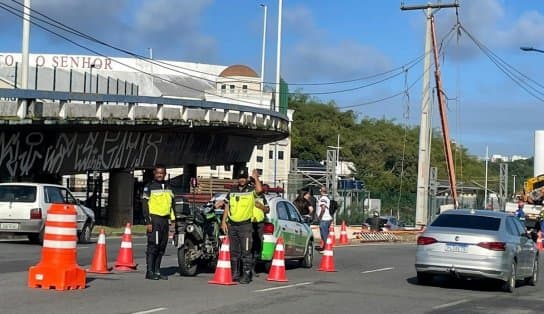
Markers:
(456, 248)
(9, 226)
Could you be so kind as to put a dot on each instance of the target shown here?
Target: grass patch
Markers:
(137, 229)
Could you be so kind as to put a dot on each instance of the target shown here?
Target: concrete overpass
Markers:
(46, 134)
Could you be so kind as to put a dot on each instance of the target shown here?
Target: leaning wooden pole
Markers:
(444, 121)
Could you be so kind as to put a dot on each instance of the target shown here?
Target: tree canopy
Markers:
(384, 152)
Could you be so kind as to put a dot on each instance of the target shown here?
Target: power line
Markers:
(165, 65)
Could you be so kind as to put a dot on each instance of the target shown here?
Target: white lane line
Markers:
(151, 311)
(376, 270)
(285, 287)
(82, 247)
(438, 307)
(139, 244)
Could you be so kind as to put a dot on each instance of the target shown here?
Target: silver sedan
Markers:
(477, 244)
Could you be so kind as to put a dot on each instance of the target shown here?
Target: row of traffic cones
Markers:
(125, 259)
(223, 272)
(343, 235)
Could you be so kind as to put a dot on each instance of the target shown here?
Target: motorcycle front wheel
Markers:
(186, 266)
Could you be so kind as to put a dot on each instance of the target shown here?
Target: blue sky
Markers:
(325, 41)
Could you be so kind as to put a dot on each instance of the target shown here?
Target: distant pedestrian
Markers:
(520, 214)
(158, 207)
(323, 216)
(375, 221)
(303, 204)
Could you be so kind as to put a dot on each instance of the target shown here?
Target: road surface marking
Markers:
(82, 247)
(285, 287)
(438, 307)
(376, 270)
(151, 311)
(139, 244)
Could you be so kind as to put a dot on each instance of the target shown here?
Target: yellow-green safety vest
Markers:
(241, 206)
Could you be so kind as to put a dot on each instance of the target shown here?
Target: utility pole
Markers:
(486, 167)
(22, 107)
(422, 198)
(264, 47)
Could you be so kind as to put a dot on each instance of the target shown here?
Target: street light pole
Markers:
(514, 185)
(264, 46)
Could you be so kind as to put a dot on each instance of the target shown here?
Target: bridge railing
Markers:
(25, 104)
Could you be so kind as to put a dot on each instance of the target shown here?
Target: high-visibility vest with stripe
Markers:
(241, 205)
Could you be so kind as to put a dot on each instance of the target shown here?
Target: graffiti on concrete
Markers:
(21, 152)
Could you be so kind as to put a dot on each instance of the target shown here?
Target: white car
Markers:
(23, 209)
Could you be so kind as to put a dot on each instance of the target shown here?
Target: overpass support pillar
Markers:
(120, 198)
(189, 171)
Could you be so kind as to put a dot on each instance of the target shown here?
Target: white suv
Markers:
(23, 209)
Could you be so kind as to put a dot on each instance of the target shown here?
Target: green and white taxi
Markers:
(284, 221)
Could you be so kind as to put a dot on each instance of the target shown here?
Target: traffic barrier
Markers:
(99, 264)
(327, 261)
(539, 244)
(376, 236)
(332, 235)
(223, 273)
(125, 259)
(58, 267)
(277, 269)
(344, 234)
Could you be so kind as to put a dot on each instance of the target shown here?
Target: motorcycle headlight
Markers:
(190, 228)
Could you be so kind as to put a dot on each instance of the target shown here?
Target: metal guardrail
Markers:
(70, 105)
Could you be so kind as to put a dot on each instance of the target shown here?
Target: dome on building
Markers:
(238, 70)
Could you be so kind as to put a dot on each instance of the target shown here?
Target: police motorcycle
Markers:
(196, 236)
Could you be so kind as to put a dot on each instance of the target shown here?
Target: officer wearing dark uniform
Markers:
(158, 207)
(236, 223)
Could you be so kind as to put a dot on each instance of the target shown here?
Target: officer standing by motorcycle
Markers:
(236, 223)
(158, 206)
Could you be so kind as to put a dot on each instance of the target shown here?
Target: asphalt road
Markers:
(370, 279)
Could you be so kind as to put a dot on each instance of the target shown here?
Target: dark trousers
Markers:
(241, 241)
(257, 246)
(157, 239)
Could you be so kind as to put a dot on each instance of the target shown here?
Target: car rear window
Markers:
(17, 193)
(467, 222)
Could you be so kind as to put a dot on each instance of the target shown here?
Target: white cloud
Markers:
(316, 56)
(491, 24)
(175, 26)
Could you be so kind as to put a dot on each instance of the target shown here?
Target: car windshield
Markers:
(17, 193)
(467, 222)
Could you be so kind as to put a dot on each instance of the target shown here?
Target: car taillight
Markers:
(268, 228)
(36, 213)
(425, 240)
(493, 246)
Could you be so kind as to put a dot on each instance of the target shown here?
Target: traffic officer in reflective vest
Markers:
(158, 207)
(236, 223)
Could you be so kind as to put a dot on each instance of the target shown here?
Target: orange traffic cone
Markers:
(58, 267)
(277, 270)
(125, 259)
(99, 264)
(327, 262)
(344, 234)
(332, 235)
(223, 273)
(539, 244)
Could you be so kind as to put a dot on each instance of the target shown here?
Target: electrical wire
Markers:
(512, 73)
(172, 67)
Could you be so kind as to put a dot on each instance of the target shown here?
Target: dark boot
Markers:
(149, 274)
(246, 274)
(157, 269)
(235, 268)
(246, 277)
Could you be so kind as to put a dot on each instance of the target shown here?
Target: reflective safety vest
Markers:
(241, 205)
(258, 214)
(159, 198)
